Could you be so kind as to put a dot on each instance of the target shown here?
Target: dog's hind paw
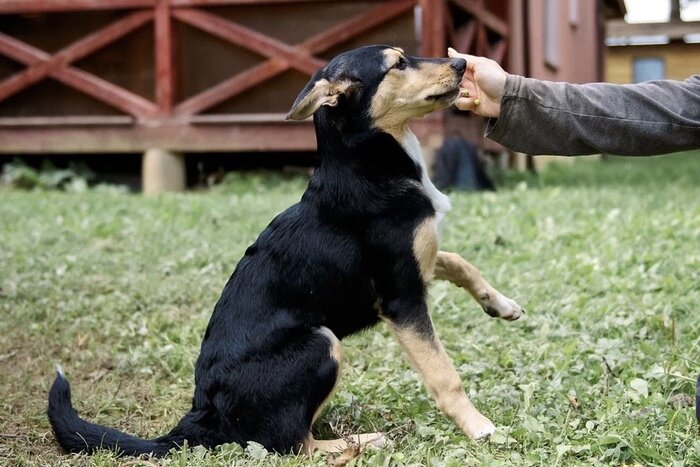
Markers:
(497, 305)
(376, 440)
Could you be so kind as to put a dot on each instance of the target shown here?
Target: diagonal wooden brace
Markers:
(41, 65)
(280, 62)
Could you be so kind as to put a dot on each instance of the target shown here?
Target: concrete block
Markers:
(162, 171)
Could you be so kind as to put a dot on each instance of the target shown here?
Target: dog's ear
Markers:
(318, 92)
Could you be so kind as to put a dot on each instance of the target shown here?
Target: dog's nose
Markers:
(459, 65)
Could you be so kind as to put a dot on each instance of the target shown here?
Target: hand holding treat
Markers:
(482, 85)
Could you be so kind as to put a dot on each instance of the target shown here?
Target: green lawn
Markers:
(605, 257)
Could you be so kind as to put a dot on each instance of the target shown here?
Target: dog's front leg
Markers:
(412, 326)
(452, 267)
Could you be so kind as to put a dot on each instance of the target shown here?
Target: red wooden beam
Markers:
(477, 9)
(340, 32)
(107, 92)
(433, 41)
(164, 69)
(23, 53)
(465, 37)
(66, 120)
(46, 6)
(41, 64)
(427, 24)
(19, 51)
(255, 136)
(102, 37)
(498, 51)
(231, 87)
(440, 37)
(40, 6)
(322, 41)
(193, 3)
(213, 133)
(282, 56)
(249, 39)
(451, 36)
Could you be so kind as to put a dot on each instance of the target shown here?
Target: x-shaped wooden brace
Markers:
(472, 37)
(41, 65)
(281, 56)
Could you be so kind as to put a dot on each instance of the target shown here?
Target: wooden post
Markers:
(164, 66)
(162, 170)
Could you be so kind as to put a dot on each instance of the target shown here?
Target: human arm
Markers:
(541, 117)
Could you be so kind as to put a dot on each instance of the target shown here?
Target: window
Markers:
(646, 69)
(573, 13)
(551, 33)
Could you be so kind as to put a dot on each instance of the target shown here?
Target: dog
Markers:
(360, 247)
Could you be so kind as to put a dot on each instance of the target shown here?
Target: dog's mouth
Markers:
(448, 95)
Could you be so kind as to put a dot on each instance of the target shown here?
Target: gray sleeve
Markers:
(542, 117)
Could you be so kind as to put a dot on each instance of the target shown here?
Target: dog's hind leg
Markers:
(337, 445)
(452, 267)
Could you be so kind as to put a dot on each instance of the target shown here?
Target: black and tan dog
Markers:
(360, 247)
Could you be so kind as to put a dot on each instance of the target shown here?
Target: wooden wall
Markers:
(578, 43)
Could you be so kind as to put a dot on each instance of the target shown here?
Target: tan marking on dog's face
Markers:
(405, 93)
(425, 247)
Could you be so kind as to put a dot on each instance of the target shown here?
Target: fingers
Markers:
(472, 60)
(467, 103)
(452, 53)
(468, 96)
(465, 93)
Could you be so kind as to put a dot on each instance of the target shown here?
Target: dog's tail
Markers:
(77, 435)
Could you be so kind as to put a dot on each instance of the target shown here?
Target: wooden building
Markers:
(115, 76)
(644, 51)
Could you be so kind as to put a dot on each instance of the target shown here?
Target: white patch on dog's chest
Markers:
(441, 203)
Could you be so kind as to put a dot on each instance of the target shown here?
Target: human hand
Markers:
(482, 85)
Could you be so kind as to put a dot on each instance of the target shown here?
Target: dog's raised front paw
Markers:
(497, 305)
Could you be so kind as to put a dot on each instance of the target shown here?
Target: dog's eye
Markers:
(401, 64)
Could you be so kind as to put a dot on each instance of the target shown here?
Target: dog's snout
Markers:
(459, 65)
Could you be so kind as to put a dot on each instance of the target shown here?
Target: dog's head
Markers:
(380, 86)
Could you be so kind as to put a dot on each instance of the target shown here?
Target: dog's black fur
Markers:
(334, 260)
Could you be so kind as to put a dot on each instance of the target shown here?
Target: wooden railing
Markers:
(183, 122)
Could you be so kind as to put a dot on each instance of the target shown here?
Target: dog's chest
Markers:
(441, 203)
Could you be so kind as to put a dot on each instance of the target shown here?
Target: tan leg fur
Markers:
(336, 445)
(452, 267)
(435, 368)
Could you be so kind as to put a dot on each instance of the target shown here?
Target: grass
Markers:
(604, 257)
